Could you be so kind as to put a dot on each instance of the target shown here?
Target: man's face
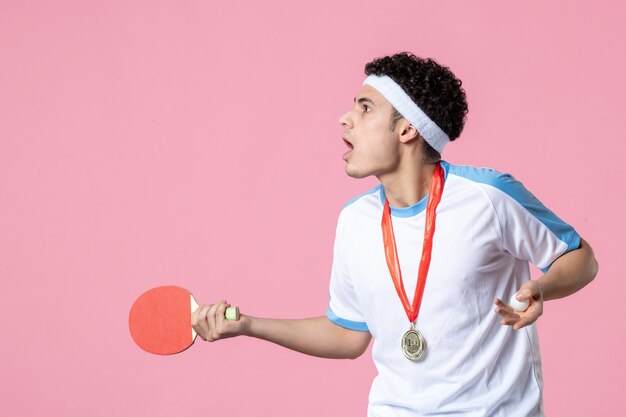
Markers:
(374, 149)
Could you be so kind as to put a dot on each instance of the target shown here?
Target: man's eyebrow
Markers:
(364, 100)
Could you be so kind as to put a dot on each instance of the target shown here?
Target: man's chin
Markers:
(355, 173)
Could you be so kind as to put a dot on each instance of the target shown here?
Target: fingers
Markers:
(534, 311)
(518, 319)
(212, 321)
(208, 321)
(199, 321)
(523, 294)
(509, 316)
(530, 290)
(521, 323)
(220, 315)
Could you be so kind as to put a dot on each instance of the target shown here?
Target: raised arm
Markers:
(316, 336)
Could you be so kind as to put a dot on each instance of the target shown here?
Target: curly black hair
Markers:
(433, 87)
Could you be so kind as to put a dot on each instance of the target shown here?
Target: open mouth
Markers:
(350, 148)
(348, 143)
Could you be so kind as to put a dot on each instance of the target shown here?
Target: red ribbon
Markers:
(391, 252)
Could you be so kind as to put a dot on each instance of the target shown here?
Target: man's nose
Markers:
(345, 120)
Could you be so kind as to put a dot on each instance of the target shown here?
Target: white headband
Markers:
(400, 100)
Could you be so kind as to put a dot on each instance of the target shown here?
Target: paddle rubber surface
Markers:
(160, 320)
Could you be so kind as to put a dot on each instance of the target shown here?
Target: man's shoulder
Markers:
(361, 208)
(484, 176)
(371, 193)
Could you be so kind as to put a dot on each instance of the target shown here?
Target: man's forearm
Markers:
(569, 273)
(315, 336)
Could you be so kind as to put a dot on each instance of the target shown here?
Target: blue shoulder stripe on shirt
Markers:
(348, 324)
(516, 190)
(353, 200)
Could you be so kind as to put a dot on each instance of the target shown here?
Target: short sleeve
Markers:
(343, 307)
(530, 231)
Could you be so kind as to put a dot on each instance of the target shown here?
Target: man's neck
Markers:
(409, 184)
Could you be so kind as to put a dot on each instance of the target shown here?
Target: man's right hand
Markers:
(210, 323)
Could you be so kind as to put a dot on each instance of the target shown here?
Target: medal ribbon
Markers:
(391, 252)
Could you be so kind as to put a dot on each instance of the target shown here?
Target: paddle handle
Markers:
(232, 313)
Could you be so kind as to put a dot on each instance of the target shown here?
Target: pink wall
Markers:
(153, 142)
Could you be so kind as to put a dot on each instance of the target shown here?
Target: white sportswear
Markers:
(489, 227)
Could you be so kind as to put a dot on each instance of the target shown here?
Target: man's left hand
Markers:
(531, 291)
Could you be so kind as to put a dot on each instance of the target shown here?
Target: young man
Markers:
(467, 233)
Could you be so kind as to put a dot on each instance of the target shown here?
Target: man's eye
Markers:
(366, 108)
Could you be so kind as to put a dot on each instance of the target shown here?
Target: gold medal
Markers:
(413, 344)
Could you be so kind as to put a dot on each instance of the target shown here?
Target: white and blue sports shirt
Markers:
(489, 227)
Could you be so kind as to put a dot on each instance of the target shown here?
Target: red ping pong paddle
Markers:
(160, 320)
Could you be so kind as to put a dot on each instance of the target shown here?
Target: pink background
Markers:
(197, 143)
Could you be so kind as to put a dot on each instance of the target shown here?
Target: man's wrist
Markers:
(249, 324)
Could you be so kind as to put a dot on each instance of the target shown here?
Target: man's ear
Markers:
(408, 133)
